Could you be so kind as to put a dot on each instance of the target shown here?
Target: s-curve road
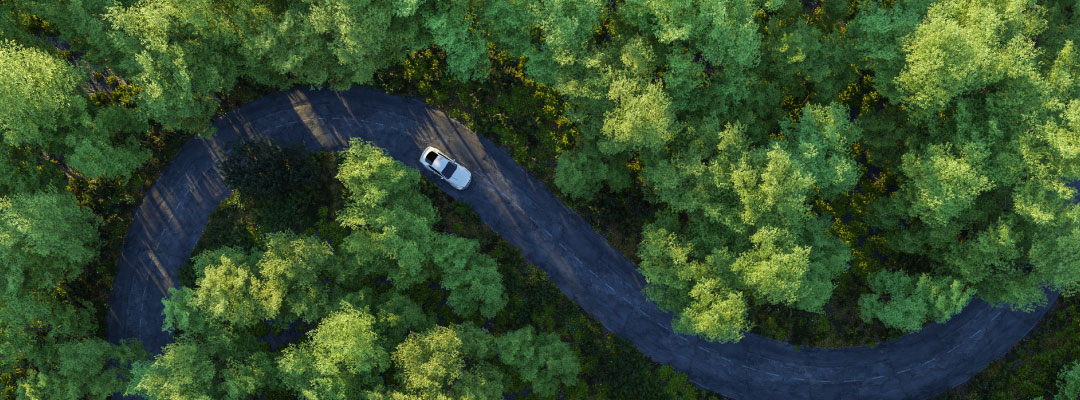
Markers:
(579, 261)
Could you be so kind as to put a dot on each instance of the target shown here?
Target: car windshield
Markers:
(449, 170)
(431, 157)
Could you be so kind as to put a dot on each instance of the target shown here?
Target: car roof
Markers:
(448, 170)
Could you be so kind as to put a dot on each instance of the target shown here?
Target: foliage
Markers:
(913, 302)
(45, 331)
(1068, 382)
(359, 310)
(44, 110)
(273, 179)
(610, 367)
(929, 144)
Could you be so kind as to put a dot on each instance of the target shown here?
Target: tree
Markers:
(391, 224)
(960, 46)
(237, 293)
(176, 50)
(184, 370)
(284, 282)
(774, 268)
(83, 368)
(713, 308)
(1069, 382)
(45, 241)
(543, 360)
(878, 33)
(458, 362)
(472, 278)
(821, 142)
(45, 111)
(341, 360)
(390, 219)
(942, 185)
(913, 302)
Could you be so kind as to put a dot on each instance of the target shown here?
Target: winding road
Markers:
(579, 261)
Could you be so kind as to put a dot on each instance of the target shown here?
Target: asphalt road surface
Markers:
(579, 261)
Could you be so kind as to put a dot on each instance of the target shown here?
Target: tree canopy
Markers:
(358, 332)
(913, 155)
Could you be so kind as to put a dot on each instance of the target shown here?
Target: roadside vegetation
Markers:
(610, 368)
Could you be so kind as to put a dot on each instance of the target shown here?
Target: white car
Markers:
(446, 168)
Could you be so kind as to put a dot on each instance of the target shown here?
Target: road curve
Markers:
(579, 261)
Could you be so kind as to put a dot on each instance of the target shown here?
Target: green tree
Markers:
(449, 363)
(176, 51)
(473, 278)
(543, 360)
(942, 185)
(1069, 382)
(184, 370)
(963, 45)
(879, 33)
(913, 302)
(45, 241)
(45, 110)
(341, 360)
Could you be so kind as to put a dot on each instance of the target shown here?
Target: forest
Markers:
(820, 172)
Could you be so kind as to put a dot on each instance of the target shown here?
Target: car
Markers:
(446, 168)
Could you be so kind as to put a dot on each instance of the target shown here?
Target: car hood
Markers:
(461, 178)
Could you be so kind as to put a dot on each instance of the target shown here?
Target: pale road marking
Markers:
(798, 379)
(641, 312)
(610, 288)
(533, 220)
(590, 271)
(749, 368)
(953, 348)
(561, 245)
(772, 374)
(683, 338)
(725, 358)
(975, 334)
(581, 263)
(903, 370)
(928, 361)
(548, 234)
(704, 349)
(877, 377)
(818, 380)
(851, 381)
(995, 316)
